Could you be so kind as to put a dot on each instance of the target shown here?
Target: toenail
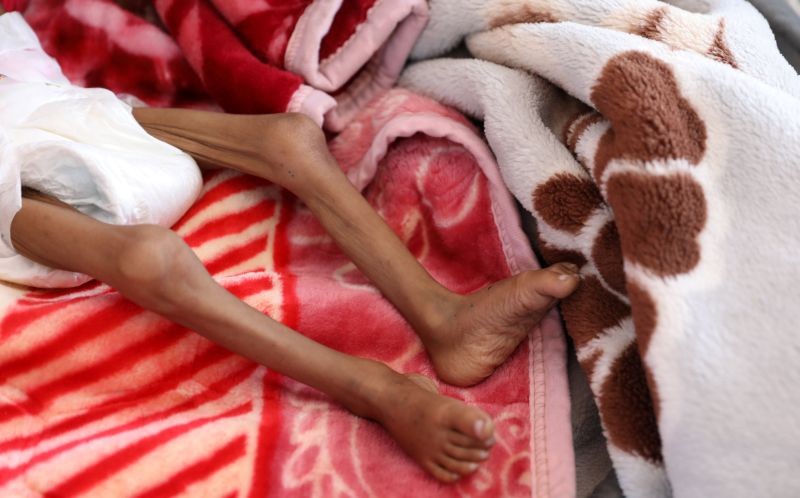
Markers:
(483, 455)
(472, 467)
(567, 277)
(490, 441)
(479, 424)
(566, 268)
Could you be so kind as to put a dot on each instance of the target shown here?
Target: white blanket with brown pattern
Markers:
(658, 146)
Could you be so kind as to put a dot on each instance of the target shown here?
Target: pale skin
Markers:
(466, 337)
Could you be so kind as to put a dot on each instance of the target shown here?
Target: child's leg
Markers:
(467, 337)
(154, 268)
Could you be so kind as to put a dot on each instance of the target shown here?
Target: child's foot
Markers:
(479, 332)
(446, 437)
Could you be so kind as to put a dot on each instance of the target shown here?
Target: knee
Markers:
(152, 264)
(293, 151)
(302, 130)
(296, 137)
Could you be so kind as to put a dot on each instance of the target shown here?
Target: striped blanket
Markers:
(100, 398)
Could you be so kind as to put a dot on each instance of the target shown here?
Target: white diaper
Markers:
(80, 145)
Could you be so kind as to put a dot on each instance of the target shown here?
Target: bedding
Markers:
(324, 58)
(99, 398)
(656, 145)
(81, 146)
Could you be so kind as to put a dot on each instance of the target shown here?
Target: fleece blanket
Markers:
(324, 58)
(100, 398)
(657, 146)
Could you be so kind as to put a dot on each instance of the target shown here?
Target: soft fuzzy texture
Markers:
(668, 171)
(299, 50)
(324, 58)
(100, 398)
(98, 44)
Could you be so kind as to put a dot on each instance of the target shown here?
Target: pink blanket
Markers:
(100, 398)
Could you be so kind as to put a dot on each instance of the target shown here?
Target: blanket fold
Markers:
(326, 59)
(667, 174)
(355, 49)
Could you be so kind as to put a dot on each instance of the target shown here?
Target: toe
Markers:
(472, 423)
(555, 282)
(565, 269)
(466, 454)
(440, 473)
(457, 466)
(458, 439)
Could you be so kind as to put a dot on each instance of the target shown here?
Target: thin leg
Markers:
(154, 268)
(467, 337)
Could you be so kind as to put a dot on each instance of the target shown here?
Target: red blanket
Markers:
(250, 57)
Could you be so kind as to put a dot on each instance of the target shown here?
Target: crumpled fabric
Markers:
(81, 146)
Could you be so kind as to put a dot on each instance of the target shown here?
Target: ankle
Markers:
(370, 390)
(439, 312)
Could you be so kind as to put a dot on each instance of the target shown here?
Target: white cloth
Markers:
(687, 130)
(80, 145)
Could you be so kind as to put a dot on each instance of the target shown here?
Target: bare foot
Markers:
(446, 437)
(480, 331)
